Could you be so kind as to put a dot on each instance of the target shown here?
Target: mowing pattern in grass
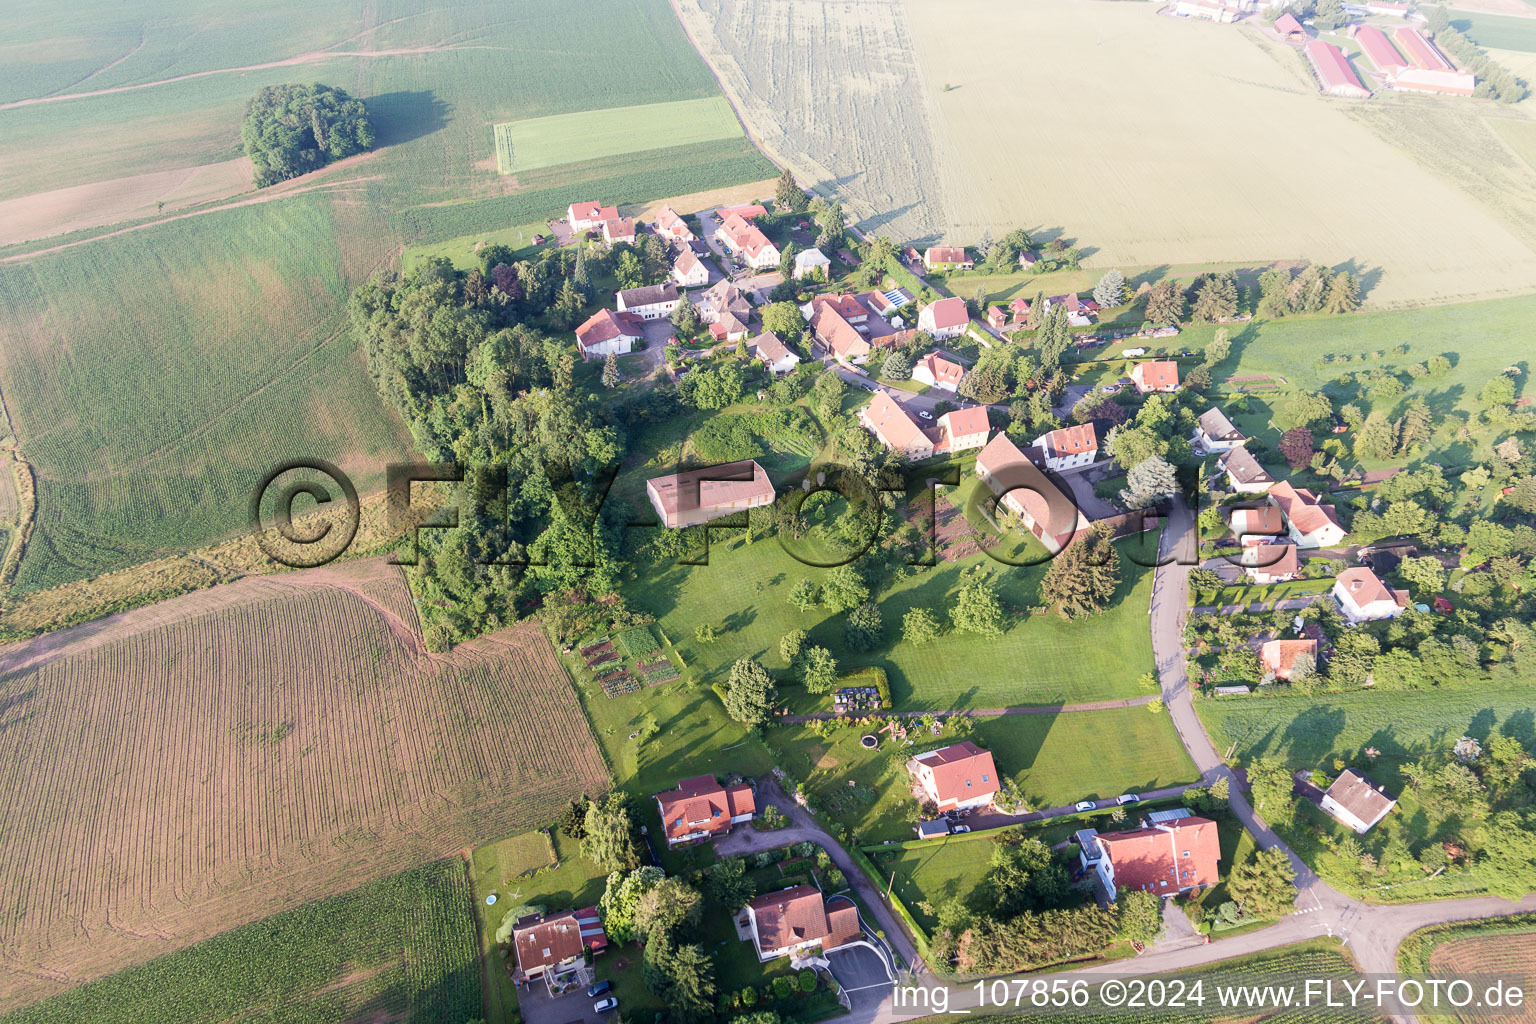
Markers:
(400, 949)
(614, 131)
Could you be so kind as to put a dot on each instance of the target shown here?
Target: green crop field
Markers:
(401, 949)
(1501, 31)
(614, 131)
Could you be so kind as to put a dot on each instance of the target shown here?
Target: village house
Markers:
(688, 271)
(1162, 857)
(839, 337)
(846, 304)
(960, 777)
(1311, 524)
(729, 327)
(1244, 474)
(1068, 447)
(651, 302)
(589, 216)
(1257, 525)
(1281, 659)
(812, 261)
(1018, 310)
(1160, 375)
(944, 319)
(1290, 29)
(773, 353)
(996, 318)
(885, 418)
(1362, 597)
(1027, 259)
(700, 808)
(946, 258)
(938, 372)
(607, 333)
(699, 495)
(669, 225)
(1023, 489)
(1078, 309)
(549, 942)
(1357, 801)
(747, 242)
(1215, 433)
(724, 297)
(619, 229)
(792, 920)
(1271, 563)
(886, 304)
(963, 429)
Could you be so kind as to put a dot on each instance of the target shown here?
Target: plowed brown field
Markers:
(175, 771)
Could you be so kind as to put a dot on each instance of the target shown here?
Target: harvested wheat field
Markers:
(1503, 954)
(179, 770)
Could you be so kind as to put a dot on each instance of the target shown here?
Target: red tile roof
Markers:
(1331, 66)
(847, 305)
(1071, 441)
(1160, 375)
(1301, 509)
(706, 488)
(1280, 656)
(701, 804)
(964, 422)
(1257, 523)
(1374, 42)
(944, 254)
(746, 212)
(941, 370)
(1364, 587)
(545, 940)
(950, 312)
(605, 325)
(838, 334)
(799, 915)
(744, 235)
(961, 772)
(1166, 857)
(1420, 50)
(594, 211)
(669, 222)
(891, 425)
(1272, 559)
(1287, 25)
(618, 227)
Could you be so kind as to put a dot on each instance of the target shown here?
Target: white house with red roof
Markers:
(607, 333)
(797, 920)
(955, 778)
(1257, 525)
(946, 257)
(1281, 659)
(1362, 597)
(1068, 447)
(548, 942)
(773, 353)
(619, 229)
(944, 319)
(963, 429)
(847, 305)
(1160, 375)
(650, 302)
(1018, 310)
(1023, 488)
(747, 241)
(1311, 523)
(1271, 563)
(701, 808)
(671, 226)
(688, 271)
(888, 421)
(589, 215)
(838, 336)
(699, 495)
(938, 372)
(1165, 857)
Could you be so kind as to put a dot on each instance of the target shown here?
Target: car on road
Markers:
(599, 989)
(604, 1005)
(959, 829)
(1086, 805)
(925, 414)
(1127, 798)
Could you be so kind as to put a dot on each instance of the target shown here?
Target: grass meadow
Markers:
(612, 131)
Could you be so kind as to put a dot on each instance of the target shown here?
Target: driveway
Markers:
(536, 1006)
(1080, 481)
(863, 977)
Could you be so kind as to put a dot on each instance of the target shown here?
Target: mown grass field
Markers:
(1501, 31)
(399, 949)
(612, 131)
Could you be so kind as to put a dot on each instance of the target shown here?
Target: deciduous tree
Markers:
(750, 694)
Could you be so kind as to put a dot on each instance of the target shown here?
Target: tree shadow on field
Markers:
(1366, 277)
(404, 116)
(1151, 275)
(1311, 735)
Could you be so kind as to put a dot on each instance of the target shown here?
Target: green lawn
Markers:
(1251, 594)
(938, 872)
(612, 131)
(1055, 760)
(1500, 31)
(1041, 659)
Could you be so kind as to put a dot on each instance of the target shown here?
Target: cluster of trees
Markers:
(1493, 79)
(1081, 580)
(291, 130)
(1312, 289)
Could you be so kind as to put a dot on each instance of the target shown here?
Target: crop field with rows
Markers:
(190, 767)
(612, 131)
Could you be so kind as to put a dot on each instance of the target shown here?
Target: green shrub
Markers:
(807, 981)
(782, 987)
(749, 996)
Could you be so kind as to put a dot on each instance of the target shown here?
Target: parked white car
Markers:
(1127, 798)
(1086, 805)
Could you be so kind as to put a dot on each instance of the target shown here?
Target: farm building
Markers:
(963, 429)
(1420, 50)
(898, 432)
(700, 808)
(1362, 597)
(1290, 28)
(1445, 83)
(1208, 10)
(946, 257)
(944, 319)
(589, 215)
(1160, 375)
(1282, 659)
(1023, 489)
(606, 332)
(955, 778)
(669, 225)
(1334, 75)
(1310, 523)
(1244, 474)
(1382, 53)
(652, 302)
(545, 942)
(772, 353)
(747, 211)
(811, 261)
(1165, 857)
(688, 271)
(1068, 447)
(699, 495)
(1384, 7)
(1357, 801)
(791, 920)
(938, 372)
